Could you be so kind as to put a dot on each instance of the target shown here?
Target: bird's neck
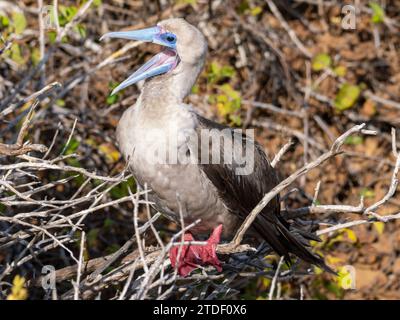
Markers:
(170, 88)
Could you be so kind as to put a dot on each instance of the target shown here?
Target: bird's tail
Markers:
(284, 242)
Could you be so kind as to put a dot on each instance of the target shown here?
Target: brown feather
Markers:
(241, 193)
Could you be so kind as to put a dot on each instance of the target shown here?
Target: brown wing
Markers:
(241, 193)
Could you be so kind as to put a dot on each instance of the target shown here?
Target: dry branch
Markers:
(150, 260)
(335, 150)
(19, 148)
(48, 204)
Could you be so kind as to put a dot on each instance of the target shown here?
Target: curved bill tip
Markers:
(115, 90)
(159, 64)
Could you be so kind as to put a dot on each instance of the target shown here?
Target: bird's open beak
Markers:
(161, 63)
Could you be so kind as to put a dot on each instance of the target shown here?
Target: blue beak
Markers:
(161, 63)
(139, 35)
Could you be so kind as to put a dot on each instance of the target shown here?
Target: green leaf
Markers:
(19, 22)
(351, 235)
(335, 289)
(195, 89)
(236, 120)
(379, 227)
(112, 85)
(122, 190)
(52, 36)
(72, 146)
(230, 92)
(35, 56)
(108, 223)
(73, 162)
(4, 21)
(243, 7)
(214, 67)
(81, 30)
(368, 193)
(340, 71)
(217, 73)
(321, 61)
(227, 72)
(15, 54)
(112, 99)
(70, 12)
(316, 203)
(222, 98)
(378, 14)
(344, 278)
(60, 103)
(228, 103)
(66, 14)
(109, 151)
(347, 96)
(97, 3)
(213, 72)
(256, 11)
(191, 2)
(354, 140)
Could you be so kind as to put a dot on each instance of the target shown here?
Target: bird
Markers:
(182, 187)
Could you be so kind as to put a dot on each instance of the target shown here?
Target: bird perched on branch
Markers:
(170, 149)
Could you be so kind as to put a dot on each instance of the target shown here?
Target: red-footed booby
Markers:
(184, 186)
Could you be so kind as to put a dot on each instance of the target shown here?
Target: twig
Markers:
(79, 15)
(383, 101)
(335, 150)
(18, 148)
(281, 152)
(273, 283)
(41, 41)
(79, 274)
(289, 30)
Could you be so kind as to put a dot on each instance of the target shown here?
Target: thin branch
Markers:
(335, 150)
(18, 148)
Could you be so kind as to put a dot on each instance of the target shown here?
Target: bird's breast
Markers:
(160, 150)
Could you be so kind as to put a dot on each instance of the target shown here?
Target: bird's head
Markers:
(184, 44)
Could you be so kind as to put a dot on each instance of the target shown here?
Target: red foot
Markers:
(192, 256)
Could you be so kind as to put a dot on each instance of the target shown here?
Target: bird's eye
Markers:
(170, 37)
